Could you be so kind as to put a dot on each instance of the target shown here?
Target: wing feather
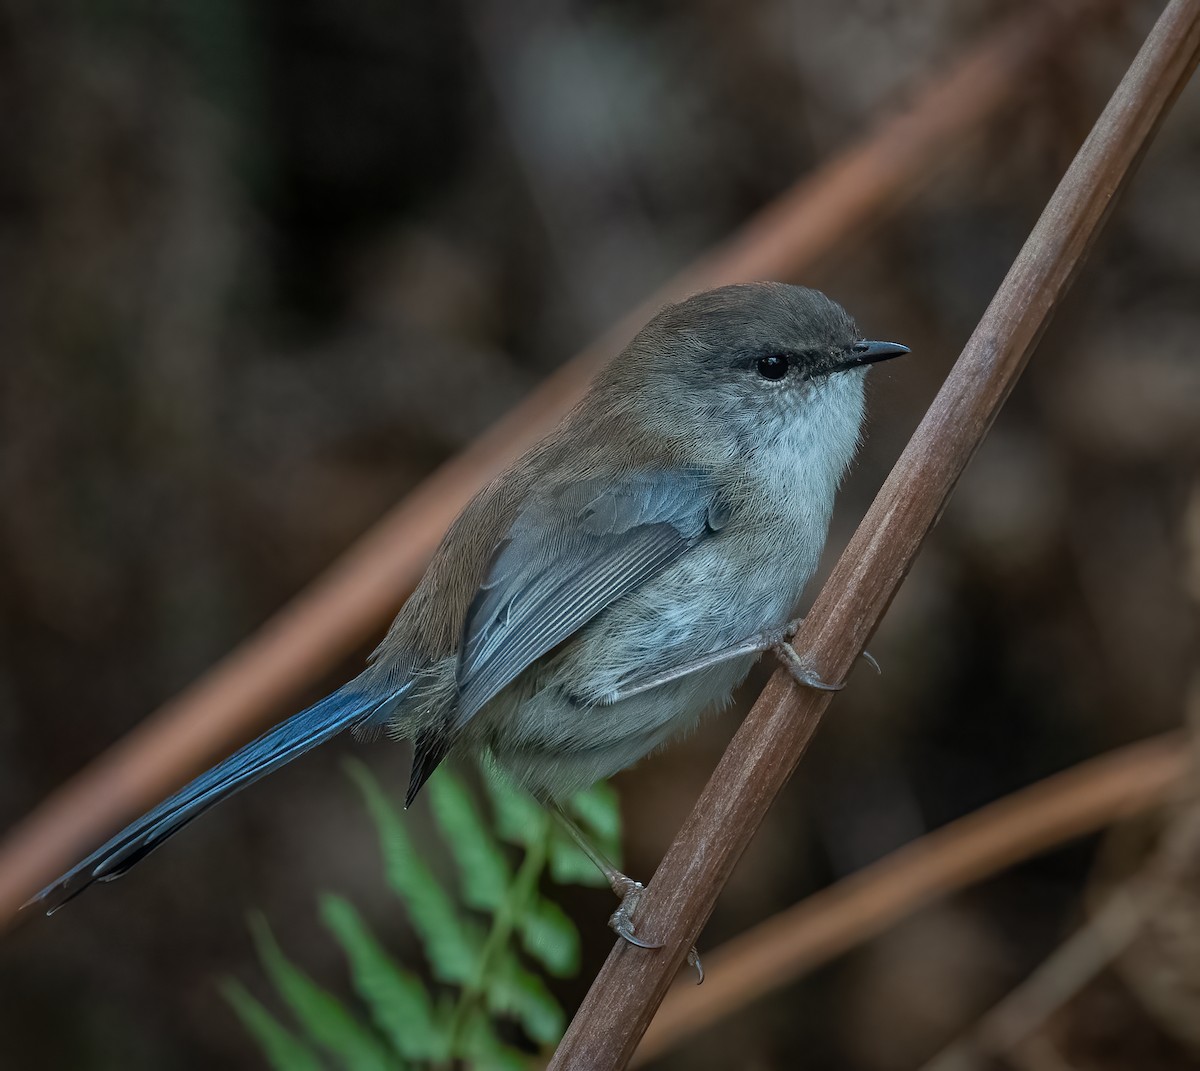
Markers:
(571, 553)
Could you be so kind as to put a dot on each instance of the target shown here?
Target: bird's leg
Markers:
(755, 644)
(776, 640)
(627, 890)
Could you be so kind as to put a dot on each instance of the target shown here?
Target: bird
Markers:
(618, 581)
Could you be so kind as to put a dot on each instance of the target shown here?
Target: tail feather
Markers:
(349, 706)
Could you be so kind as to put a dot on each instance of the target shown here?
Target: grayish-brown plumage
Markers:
(676, 512)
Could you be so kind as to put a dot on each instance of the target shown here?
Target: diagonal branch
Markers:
(768, 746)
(344, 607)
(1079, 800)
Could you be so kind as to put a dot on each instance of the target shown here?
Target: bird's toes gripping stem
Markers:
(629, 892)
(621, 921)
(800, 671)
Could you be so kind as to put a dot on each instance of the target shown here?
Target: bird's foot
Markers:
(801, 672)
(781, 644)
(621, 921)
(629, 892)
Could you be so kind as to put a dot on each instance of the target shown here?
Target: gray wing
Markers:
(569, 554)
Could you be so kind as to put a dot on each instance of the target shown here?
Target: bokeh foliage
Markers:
(488, 942)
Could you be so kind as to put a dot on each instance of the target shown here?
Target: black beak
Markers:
(865, 352)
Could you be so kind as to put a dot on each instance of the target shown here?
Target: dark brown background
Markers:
(263, 265)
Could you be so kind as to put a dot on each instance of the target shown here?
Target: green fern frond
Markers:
(550, 937)
(323, 1016)
(283, 1050)
(569, 865)
(484, 1051)
(484, 873)
(399, 1004)
(487, 986)
(451, 943)
(513, 991)
(520, 819)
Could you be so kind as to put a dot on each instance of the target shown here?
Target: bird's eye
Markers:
(774, 367)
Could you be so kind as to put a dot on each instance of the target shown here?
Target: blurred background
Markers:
(264, 265)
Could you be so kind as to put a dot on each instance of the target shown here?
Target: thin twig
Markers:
(1037, 818)
(350, 602)
(768, 746)
(1076, 962)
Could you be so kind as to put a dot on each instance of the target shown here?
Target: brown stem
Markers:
(768, 746)
(1042, 816)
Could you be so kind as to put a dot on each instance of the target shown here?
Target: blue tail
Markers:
(350, 705)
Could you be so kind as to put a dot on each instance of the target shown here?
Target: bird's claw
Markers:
(781, 644)
(800, 672)
(621, 921)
